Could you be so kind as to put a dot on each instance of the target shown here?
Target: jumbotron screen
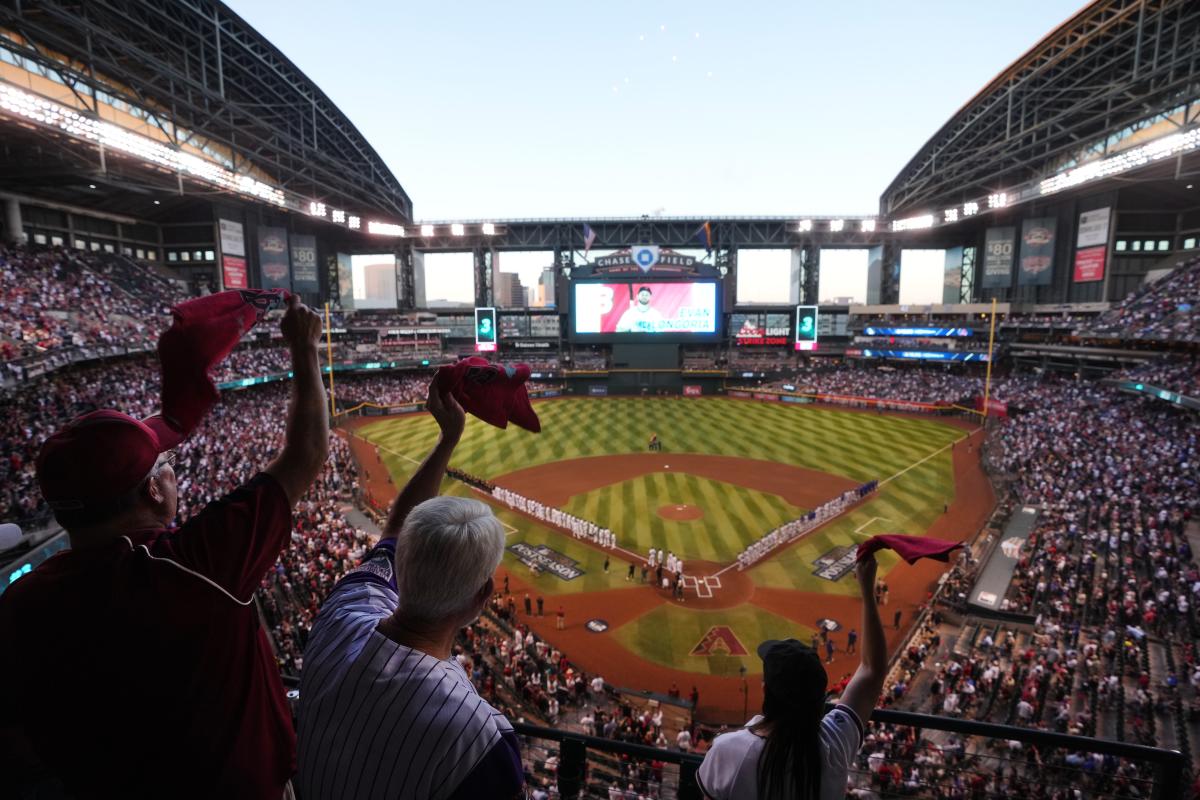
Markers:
(646, 310)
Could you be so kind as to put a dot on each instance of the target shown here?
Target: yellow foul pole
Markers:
(987, 385)
(329, 360)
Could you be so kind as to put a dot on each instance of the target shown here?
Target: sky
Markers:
(570, 109)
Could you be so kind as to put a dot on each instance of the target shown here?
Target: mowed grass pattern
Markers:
(733, 516)
(859, 446)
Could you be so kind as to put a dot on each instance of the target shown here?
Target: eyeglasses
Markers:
(166, 459)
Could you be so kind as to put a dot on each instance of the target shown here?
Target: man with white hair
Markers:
(385, 711)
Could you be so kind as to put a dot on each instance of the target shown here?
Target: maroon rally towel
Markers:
(910, 548)
(203, 333)
(492, 392)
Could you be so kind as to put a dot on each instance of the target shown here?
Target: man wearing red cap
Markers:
(156, 677)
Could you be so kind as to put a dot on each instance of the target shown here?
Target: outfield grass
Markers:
(733, 515)
(667, 635)
(859, 446)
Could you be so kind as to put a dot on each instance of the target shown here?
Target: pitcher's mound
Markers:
(680, 512)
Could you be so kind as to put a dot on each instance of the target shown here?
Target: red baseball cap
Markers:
(89, 466)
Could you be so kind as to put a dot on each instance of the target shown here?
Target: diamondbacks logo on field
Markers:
(719, 640)
(836, 563)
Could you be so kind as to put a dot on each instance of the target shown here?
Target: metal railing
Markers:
(904, 755)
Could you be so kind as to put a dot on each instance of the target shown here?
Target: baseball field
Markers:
(730, 470)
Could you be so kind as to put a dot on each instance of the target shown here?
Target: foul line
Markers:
(926, 458)
(388, 450)
(868, 522)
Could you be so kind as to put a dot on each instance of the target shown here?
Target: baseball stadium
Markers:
(639, 490)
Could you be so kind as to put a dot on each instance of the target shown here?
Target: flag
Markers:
(703, 235)
(589, 238)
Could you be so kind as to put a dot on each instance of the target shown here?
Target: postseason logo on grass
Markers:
(836, 563)
(546, 559)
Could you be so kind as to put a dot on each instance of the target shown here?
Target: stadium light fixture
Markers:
(456, 228)
(805, 226)
(868, 225)
(427, 231)
(338, 216)
(489, 229)
(1150, 152)
(836, 225)
(913, 223)
(970, 209)
(950, 215)
(385, 229)
(316, 209)
(354, 222)
(997, 200)
(93, 186)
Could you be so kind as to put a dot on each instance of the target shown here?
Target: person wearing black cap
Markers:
(794, 749)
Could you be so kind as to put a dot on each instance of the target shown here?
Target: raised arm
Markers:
(427, 480)
(306, 443)
(862, 693)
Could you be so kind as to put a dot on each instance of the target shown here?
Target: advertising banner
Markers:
(993, 407)
(1037, 252)
(692, 391)
(760, 329)
(304, 263)
(1089, 264)
(274, 266)
(233, 270)
(952, 276)
(1093, 228)
(598, 389)
(345, 281)
(233, 238)
(998, 258)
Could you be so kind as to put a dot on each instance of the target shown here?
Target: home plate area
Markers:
(703, 586)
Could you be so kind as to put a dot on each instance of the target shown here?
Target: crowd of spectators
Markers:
(52, 299)
(1116, 477)
(1167, 309)
(530, 680)
(1177, 375)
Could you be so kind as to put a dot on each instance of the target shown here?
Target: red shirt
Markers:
(139, 668)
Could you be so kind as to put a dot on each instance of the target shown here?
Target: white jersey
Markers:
(730, 768)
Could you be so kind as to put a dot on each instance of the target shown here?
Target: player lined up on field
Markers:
(788, 531)
(579, 528)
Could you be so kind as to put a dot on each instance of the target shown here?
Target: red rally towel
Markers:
(492, 392)
(203, 333)
(910, 548)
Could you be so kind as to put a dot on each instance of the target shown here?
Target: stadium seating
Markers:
(1167, 309)
(1108, 577)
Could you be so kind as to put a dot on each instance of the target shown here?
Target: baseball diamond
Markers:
(741, 468)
